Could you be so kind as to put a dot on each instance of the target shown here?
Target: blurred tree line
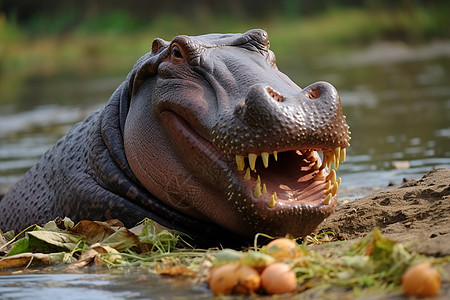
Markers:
(67, 38)
(68, 14)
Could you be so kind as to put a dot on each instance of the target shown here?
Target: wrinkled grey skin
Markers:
(163, 146)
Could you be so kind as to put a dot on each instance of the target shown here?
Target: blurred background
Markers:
(390, 61)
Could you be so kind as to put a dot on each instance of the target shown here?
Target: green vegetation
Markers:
(321, 264)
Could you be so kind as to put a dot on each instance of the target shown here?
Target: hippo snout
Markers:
(264, 99)
(260, 106)
(269, 117)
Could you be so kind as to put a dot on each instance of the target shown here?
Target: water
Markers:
(114, 286)
(397, 102)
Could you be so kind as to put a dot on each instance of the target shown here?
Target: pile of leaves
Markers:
(373, 263)
(96, 243)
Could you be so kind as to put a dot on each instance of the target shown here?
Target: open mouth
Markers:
(280, 191)
(291, 178)
(282, 179)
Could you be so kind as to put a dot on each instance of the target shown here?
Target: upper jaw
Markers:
(267, 120)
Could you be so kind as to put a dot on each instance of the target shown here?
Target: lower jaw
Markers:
(277, 209)
(295, 220)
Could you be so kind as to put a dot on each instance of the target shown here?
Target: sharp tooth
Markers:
(330, 159)
(252, 160)
(338, 181)
(247, 174)
(326, 160)
(257, 192)
(273, 200)
(275, 155)
(258, 180)
(265, 188)
(343, 154)
(327, 199)
(337, 153)
(320, 175)
(240, 162)
(336, 156)
(332, 176)
(334, 189)
(265, 158)
(328, 185)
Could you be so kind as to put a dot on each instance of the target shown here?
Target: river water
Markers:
(397, 102)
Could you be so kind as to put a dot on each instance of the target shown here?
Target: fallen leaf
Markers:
(93, 231)
(115, 257)
(55, 239)
(176, 270)
(25, 259)
(85, 259)
(20, 246)
(114, 223)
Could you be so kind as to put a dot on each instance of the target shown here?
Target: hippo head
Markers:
(218, 133)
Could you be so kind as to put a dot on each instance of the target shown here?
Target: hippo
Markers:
(205, 136)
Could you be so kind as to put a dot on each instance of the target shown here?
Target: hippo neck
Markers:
(112, 125)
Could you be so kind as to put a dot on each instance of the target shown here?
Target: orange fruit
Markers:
(421, 280)
(283, 248)
(278, 278)
(234, 279)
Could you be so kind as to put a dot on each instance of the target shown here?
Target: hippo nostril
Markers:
(274, 94)
(314, 93)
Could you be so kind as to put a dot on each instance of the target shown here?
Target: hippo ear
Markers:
(159, 44)
(147, 65)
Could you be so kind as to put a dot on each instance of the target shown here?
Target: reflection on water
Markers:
(43, 113)
(128, 285)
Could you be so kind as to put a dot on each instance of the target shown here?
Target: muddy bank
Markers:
(418, 212)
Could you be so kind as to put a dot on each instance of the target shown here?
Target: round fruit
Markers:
(421, 280)
(283, 248)
(278, 278)
(234, 279)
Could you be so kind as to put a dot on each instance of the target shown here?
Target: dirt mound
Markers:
(417, 212)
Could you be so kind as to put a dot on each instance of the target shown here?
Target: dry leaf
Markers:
(93, 231)
(25, 259)
(176, 270)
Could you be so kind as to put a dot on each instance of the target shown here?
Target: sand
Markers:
(416, 213)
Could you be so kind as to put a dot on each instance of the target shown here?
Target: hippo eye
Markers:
(176, 52)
